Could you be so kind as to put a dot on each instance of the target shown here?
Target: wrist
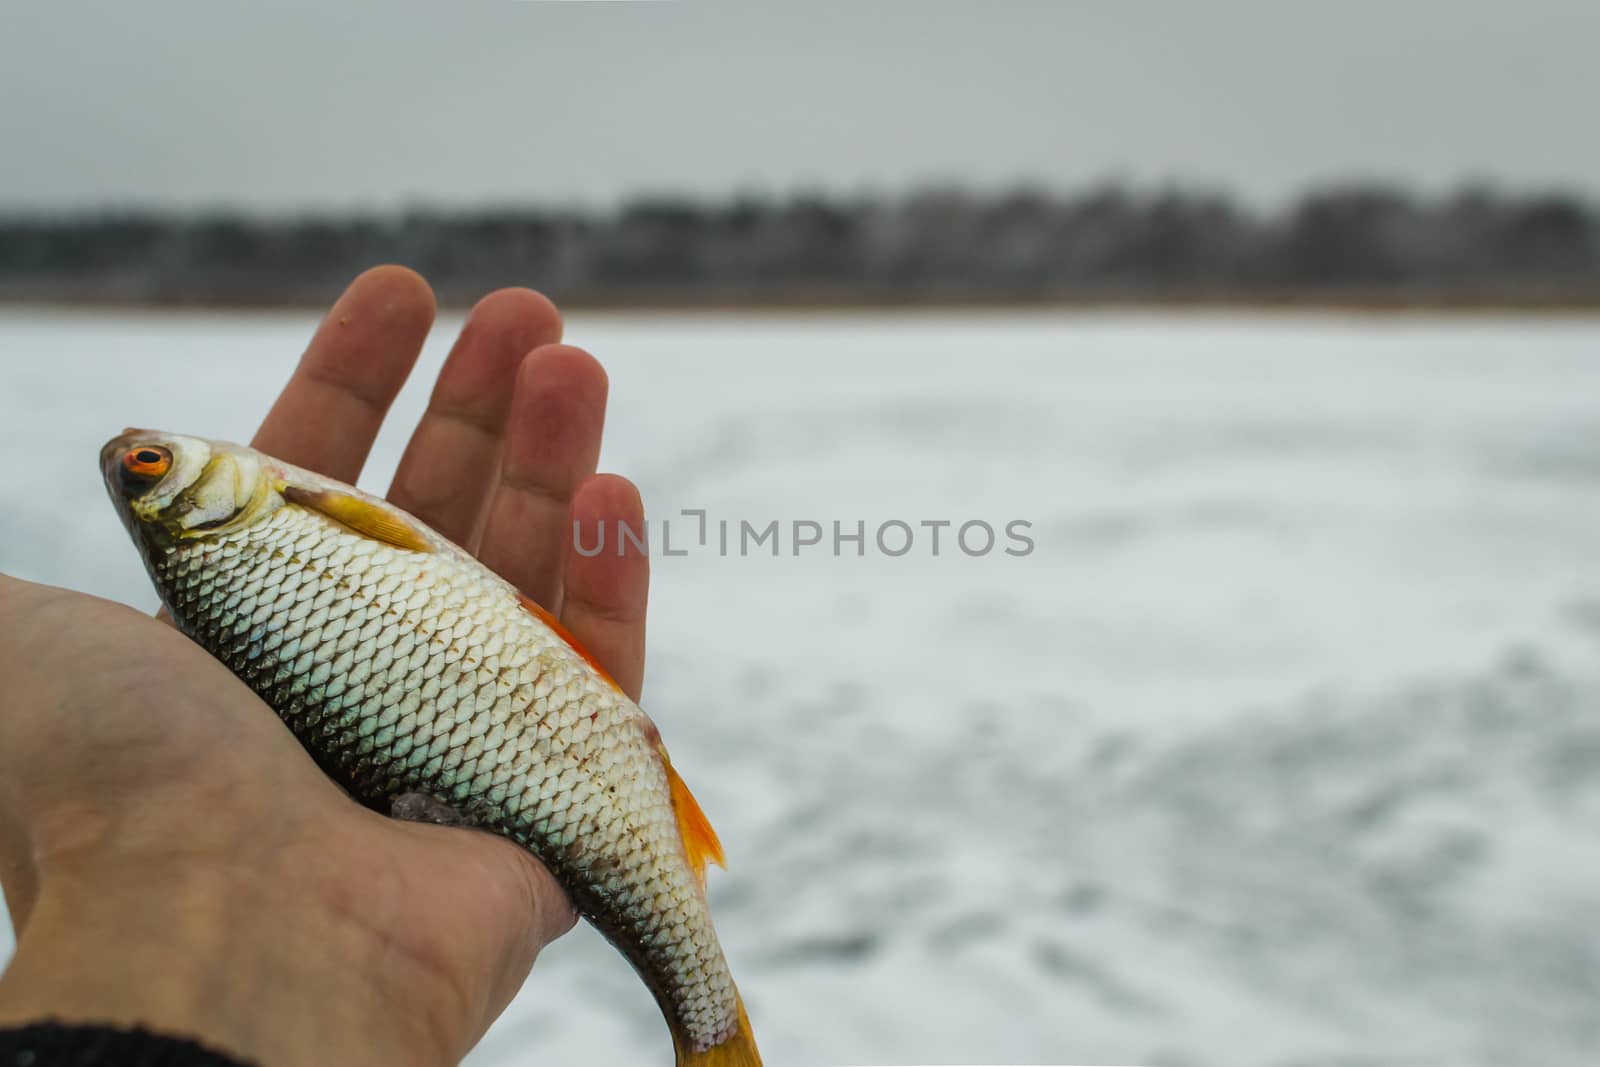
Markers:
(260, 966)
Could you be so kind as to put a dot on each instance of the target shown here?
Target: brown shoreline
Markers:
(1537, 302)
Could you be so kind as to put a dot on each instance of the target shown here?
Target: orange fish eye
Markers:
(147, 463)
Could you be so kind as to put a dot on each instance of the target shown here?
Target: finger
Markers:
(552, 444)
(607, 578)
(328, 415)
(449, 466)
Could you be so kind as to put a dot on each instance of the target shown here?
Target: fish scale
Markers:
(421, 672)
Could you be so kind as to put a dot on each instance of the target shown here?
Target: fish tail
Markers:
(739, 1050)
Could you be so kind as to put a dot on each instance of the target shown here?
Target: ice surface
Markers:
(1282, 748)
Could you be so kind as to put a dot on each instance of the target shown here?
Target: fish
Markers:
(407, 669)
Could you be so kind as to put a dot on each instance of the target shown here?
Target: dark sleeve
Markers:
(51, 1044)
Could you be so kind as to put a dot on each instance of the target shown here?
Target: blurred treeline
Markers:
(1355, 244)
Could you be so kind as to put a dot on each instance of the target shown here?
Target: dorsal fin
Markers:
(367, 518)
(700, 842)
(534, 608)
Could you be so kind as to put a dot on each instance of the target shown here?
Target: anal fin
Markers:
(700, 841)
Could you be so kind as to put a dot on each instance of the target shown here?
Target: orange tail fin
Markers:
(738, 1050)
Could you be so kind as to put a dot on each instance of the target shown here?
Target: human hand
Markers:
(170, 854)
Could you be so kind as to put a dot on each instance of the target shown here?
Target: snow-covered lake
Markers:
(1282, 746)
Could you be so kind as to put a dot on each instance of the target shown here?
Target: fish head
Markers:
(167, 486)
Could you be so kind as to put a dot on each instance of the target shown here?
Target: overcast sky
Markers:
(385, 102)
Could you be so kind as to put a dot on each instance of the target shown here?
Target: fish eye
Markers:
(145, 464)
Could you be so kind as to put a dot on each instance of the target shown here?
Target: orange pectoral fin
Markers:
(700, 842)
(365, 517)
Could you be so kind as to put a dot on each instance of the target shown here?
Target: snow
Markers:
(1281, 748)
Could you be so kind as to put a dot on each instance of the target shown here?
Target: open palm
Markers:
(121, 741)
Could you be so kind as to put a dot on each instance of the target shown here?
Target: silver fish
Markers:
(406, 667)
